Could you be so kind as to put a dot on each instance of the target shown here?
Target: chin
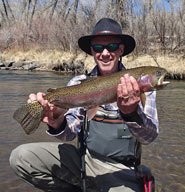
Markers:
(106, 71)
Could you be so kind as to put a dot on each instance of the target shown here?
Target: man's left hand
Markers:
(128, 94)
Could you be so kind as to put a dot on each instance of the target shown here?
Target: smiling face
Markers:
(106, 60)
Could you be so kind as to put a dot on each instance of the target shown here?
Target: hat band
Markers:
(105, 32)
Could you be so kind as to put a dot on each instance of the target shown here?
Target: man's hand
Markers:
(128, 94)
(53, 115)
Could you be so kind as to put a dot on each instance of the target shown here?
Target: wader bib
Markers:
(109, 136)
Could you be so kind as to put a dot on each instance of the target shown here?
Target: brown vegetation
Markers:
(47, 30)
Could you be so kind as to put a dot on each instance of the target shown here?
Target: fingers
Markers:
(128, 87)
(128, 94)
(36, 97)
(135, 86)
(122, 88)
(41, 100)
(32, 97)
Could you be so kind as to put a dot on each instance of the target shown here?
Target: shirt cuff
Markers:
(132, 117)
(56, 132)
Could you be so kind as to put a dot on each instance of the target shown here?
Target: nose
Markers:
(105, 52)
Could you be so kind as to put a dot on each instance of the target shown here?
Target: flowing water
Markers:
(165, 156)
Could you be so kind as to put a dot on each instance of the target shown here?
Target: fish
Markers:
(90, 93)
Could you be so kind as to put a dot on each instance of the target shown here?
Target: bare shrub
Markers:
(157, 27)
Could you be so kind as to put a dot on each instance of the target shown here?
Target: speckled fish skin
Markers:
(89, 93)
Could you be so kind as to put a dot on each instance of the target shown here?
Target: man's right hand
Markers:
(53, 115)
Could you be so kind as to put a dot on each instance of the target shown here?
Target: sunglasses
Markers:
(110, 47)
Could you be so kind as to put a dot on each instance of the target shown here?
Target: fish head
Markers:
(153, 79)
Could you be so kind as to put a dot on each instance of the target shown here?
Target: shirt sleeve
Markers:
(148, 130)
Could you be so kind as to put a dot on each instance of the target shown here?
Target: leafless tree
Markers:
(5, 10)
(53, 8)
(65, 10)
(121, 12)
(158, 25)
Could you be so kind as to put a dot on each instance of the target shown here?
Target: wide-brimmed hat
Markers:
(107, 27)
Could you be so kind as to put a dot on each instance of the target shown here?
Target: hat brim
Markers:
(128, 41)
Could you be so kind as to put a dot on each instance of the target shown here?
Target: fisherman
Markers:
(114, 132)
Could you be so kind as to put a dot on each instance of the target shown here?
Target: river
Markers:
(165, 156)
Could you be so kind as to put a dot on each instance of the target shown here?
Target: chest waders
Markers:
(109, 136)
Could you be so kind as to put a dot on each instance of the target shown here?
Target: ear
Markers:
(122, 48)
(92, 52)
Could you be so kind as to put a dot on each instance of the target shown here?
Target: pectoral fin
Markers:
(143, 99)
(92, 112)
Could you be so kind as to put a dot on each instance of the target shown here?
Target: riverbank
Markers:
(56, 60)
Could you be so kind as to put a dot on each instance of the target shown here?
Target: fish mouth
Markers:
(161, 83)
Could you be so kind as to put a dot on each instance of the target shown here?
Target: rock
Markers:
(66, 66)
(5, 68)
(31, 66)
(2, 65)
(18, 64)
(71, 65)
(79, 67)
(58, 67)
(8, 63)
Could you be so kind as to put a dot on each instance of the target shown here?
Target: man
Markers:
(114, 134)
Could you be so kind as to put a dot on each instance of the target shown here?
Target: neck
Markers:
(103, 73)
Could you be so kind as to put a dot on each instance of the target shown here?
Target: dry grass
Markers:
(46, 56)
(174, 64)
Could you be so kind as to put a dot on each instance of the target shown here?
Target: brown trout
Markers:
(89, 93)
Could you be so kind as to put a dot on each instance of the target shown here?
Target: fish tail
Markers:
(29, 116)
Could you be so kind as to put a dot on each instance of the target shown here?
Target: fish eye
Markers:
(158, 73)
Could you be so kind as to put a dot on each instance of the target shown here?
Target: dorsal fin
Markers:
(51, 90)
(87, 79)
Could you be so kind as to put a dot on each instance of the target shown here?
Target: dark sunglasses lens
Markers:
(98, 48)
(112, 47)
